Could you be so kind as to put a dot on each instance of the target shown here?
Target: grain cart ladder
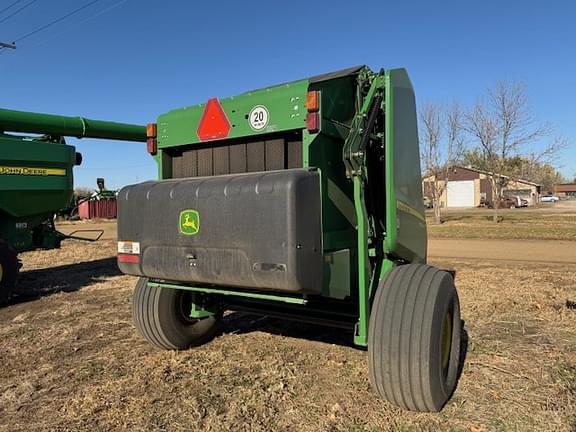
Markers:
(301, 201)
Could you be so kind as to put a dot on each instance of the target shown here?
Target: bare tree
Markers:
(442, 144)
(503, 128)
(83, 191)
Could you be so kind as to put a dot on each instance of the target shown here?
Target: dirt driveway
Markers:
(91, 228)
(71, 360)
(526, 251)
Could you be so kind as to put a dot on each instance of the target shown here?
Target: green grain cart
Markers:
(36, 180)
(301, 201)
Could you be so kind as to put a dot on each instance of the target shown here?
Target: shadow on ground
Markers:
(245, 322)
(33, 284)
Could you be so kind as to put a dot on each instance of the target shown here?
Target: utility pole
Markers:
(8, 45)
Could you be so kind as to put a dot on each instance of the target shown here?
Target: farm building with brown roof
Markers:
(565, 190)
(471, 187)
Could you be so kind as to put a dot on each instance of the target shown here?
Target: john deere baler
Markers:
(302, 201)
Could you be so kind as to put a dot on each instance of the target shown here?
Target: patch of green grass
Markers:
(480, 348)
(564, 373)
(497, 424)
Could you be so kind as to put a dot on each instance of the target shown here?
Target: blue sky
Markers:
(128, 60)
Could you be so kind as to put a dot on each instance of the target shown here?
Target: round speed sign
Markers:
(258, 117)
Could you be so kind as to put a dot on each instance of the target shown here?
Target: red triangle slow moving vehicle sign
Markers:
(214, 124)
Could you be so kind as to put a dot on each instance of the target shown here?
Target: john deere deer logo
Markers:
(189, 222)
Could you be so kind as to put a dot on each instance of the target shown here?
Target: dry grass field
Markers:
(71, 360)
(548, 222)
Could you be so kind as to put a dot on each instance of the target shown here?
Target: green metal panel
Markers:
(24, 190)
(337, 274)
(285, 105)
(405, 222)
(323, 150)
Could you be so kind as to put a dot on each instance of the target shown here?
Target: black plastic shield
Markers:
(256, 231)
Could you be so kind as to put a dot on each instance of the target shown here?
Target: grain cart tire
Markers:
(161, 317)
(414, 337)
(8, 270)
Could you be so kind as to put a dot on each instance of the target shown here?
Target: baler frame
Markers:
(351, 212)
(375, 245)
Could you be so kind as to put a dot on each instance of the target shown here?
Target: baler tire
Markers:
(9, 269)
(159, 316)
(414, 338)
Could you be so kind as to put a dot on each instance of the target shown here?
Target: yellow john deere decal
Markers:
(28, 171)
(403, 207)
(189, 222)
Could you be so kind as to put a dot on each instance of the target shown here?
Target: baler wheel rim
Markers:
(446, 341)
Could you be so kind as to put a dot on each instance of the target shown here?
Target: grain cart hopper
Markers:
(301, 201)
(36, 179)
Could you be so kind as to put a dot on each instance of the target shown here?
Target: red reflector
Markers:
(135, 259)
(214, 124)
(313, 122)
(152, 146)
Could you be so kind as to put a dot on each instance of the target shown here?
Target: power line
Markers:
(78, 23)
(103, 11)
(9, 6)
(17, 11)
(56, 21)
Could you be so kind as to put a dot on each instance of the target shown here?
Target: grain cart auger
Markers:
(301, 201)
(36, 180)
